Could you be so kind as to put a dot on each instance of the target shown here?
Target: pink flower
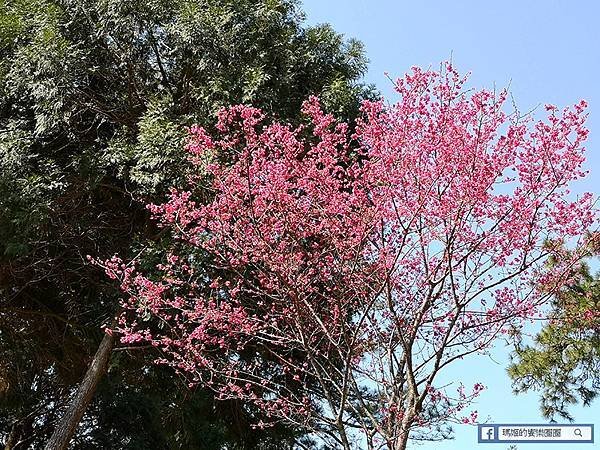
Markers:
(378, 254)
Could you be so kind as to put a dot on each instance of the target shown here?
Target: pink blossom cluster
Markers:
(333, 269)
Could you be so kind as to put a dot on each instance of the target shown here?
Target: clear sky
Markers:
(549, 51)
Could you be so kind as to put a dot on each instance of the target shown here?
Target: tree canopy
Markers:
(344, 279)
(95, 98)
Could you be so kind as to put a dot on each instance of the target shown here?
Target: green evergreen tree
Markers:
(563, 362)
(95, 97)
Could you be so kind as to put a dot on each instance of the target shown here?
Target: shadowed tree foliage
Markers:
(95, 97)
(563, 362)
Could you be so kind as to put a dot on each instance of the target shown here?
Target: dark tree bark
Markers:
(67, 425)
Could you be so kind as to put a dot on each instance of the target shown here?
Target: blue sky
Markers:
(549, 52)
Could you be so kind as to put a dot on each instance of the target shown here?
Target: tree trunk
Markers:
(402, 442)
(403, 433)
(68, 423)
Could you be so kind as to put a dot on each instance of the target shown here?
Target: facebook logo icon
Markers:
(487, 433)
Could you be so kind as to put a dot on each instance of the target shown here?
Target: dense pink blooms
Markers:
(335, 275)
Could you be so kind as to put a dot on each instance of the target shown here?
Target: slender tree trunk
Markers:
(68, 423)
(401, 441)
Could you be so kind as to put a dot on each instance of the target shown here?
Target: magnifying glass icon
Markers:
(577, 432)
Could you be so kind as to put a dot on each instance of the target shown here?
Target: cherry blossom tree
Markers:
(328, 278)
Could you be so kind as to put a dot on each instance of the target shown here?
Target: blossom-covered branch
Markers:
(332, 276)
